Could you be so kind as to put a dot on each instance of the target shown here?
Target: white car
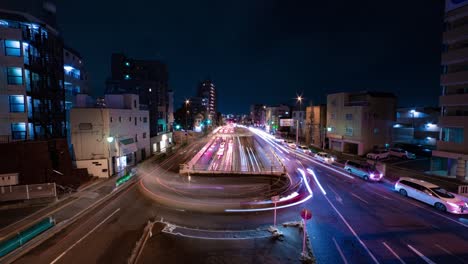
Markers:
(431, 194)
(325, 157)
(378, 154)
(291, 144)
(401, 153)
(304, 149)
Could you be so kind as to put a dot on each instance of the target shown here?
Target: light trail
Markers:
(317, 181)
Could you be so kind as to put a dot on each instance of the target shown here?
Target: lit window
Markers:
(16, 103)
(349, 131)
(15, 75)
(12, 48)
(18, 130)
(452, 134)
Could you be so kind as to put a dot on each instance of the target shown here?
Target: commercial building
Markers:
(32, 95)
(417, 125)
(299, 121)
(451, 156)
(273, 116)
(358, 122)
(316, 124)
(108, 140)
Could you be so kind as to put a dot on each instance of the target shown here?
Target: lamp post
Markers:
(110, 139)
(299, 100)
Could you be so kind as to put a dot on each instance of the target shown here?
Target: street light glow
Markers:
(110, 139)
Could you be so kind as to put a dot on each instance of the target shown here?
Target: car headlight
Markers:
(381, 175)
(372, 175)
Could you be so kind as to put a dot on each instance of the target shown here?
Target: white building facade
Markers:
(107, 141)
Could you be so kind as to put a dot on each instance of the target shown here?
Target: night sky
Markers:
(267, 51)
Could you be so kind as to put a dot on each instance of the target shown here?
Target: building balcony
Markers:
(455, 35)
(453, 121)
(453, 99)
(454, 78)
(455, 56)
(451, 147)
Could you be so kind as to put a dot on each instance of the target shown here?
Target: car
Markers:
(363, 170)
(431, 194)
(378, 154)
(290, 144)
(324, 157)
(401, 153)
(304, 149)
(419, 150)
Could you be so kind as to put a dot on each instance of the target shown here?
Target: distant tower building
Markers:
(258, 114)
(170, 109)
(146, 78)
(451, 156)
(207, 94)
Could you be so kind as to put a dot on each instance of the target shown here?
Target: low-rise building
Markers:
(111, 137)
(358, 122)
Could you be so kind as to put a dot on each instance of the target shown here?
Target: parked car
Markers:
(419, 150)
(431, 194)
(401, 153)
(324, 157)
(378, 154)
(291, 144)
(363, 170)
(304, 149)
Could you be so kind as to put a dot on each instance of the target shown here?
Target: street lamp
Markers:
(299, 100)
(187, 102)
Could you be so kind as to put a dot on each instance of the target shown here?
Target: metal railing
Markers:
(463, 190)
(27, 192)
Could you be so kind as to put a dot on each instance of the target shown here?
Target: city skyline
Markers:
(268, 48)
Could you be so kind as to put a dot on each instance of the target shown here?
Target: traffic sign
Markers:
(306, 214)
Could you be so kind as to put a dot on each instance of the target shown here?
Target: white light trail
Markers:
(317, 181)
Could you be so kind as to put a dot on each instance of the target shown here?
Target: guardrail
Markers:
(463, 190)
(24, 236)
(26, 192)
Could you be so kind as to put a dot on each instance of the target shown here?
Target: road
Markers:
(353, 221)
(361, 222)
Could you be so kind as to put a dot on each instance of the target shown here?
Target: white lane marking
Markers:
(352, 231)
(355, 195)
(393, 252)
(85, 236)
(381, 195)
(339, 251)
(422, 207)
(450, 253)
(421, 255)
(337, 196)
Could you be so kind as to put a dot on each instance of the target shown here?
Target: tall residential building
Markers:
(32, 95)
(146, 78)
(258, 114)
(207, 94)
(108, 140)
(358, 122)
(316, 124)
(451, 156)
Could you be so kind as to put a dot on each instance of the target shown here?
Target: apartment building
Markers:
(451, 157)
(110, 137)
(358, 122)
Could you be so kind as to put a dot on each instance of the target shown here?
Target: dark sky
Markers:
(266, 51)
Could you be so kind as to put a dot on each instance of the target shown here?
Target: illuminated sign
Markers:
(286, 122)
